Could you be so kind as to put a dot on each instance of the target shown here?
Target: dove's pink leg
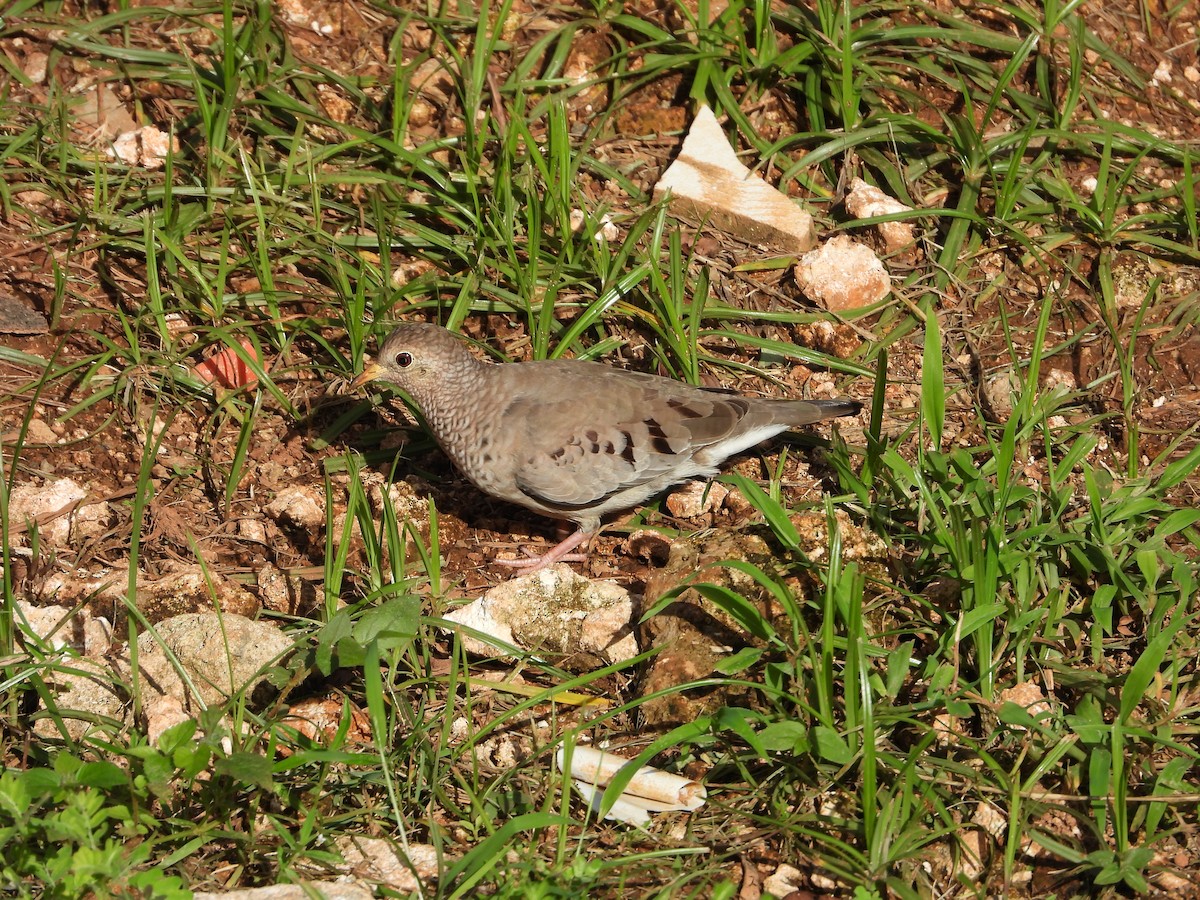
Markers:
(560, 552)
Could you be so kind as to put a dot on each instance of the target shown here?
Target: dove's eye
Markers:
(404, 360)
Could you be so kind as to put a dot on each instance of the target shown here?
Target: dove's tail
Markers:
(805, 412)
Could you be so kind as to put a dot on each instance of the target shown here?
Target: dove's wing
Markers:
(611, 439)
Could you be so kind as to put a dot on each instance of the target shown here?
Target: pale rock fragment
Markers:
(1059, 380)
(389, 865)
(76, 587)
(146, 147)
(947, 730)
(605, 229)
(400, 496)
(865, 201)
(823, 882)
(842, 275)
(193, 589)
(321, 719)
(299, 506)
(39, 432)
(991, 820)
(57, 509)
(32, 199)
(83, 690)
(708, 184)
(1002, 390)
(1174, 885)
(1162, 73)
(102, 114)
(970, 862)
(274, 590)
(406, 271)
(305, 13)
(433, 80)
(1173, 871)
(221, 655)
(161, 713)
(85, 695)
(61, 626)
(1027, 695)
(554, 612)
(502, 752)
(336, 104)
(784, 881)
(253, 530)
(151, 433)
(696, 498)
(36, 67)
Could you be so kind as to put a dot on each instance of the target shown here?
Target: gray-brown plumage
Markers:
(571, 439)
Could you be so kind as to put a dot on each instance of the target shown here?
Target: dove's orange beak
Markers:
(370, 372)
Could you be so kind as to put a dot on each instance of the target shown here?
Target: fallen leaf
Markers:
(228, 369)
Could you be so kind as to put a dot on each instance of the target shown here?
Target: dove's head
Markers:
(423, 361)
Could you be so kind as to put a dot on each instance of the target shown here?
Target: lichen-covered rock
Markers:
(554, 612)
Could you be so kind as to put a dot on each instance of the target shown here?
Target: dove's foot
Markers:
(560, 552)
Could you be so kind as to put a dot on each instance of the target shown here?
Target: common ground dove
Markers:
(571, 439)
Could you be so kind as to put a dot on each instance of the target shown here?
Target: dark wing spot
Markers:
(627, 451)
(658, 438)
(592, 435)
(681, 407)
